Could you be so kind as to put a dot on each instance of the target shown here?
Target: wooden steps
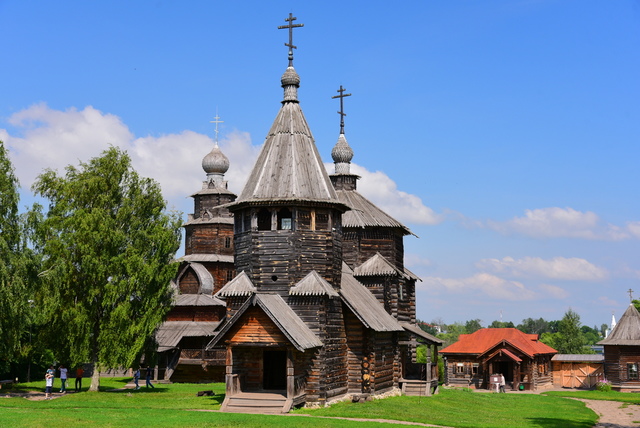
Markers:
(257, 402)
(420, 388)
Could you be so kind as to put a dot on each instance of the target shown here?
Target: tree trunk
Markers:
(95, 378)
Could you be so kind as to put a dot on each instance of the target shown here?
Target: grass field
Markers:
(177, 405)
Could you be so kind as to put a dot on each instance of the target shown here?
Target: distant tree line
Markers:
(567, 335)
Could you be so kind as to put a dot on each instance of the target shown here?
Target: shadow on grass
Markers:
(556, 422)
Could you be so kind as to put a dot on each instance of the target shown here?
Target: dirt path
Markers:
(614, 414)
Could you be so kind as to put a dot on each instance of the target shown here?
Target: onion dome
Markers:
(215, 162)
(290, 82)
(342, 154)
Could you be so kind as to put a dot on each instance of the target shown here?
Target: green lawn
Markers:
(177, 405)
(623, 397)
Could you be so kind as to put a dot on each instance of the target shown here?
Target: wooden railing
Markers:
(216, 357)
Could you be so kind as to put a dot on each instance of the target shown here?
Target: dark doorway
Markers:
(506, 368)
(274, 370)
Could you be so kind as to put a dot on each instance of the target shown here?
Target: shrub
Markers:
(603, 386)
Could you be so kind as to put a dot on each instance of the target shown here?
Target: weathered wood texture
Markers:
(361, 244)
(277, 260)
(190, 313)
(255, 327)
(576, 374)
(355, 350)
(616, 366)
(209, 239)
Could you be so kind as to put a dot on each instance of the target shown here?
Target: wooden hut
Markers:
(622, 352)
(520, 357)
(322, 307)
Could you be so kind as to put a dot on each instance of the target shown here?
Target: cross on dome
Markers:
(341, 112)
(216, 120)
(290, 26)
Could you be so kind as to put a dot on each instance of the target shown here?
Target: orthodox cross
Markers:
(630, 291)
(341, 112)
(290, 26)
(216, 120)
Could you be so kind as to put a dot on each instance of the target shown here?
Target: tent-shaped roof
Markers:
(364, 304)
(289, 168)
(485, 339)
(281, 314)
(626, 331)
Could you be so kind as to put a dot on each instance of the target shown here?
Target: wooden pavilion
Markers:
(622, 352)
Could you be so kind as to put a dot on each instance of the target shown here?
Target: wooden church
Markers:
(321, 306)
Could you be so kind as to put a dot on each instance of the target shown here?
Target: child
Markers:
(48, 379)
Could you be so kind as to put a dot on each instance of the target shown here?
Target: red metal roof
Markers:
(484, 339)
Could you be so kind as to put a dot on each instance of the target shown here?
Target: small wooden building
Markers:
(577, 370)
(520, 357)
(622, 352)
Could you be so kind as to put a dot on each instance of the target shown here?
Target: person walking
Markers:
(502, 383)
(136, 377)
(79, 373)
(63, 379)
(149, 375)
(48, 382)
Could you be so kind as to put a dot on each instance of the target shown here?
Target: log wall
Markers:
(616, 358)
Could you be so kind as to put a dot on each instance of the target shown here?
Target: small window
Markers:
(264, 219)
(474, 368)
(284, 219)
(459, 368)
(227, 242)
(230, 275)
(632, 371)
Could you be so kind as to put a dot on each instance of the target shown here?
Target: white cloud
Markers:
(554, 291)
(54, 139)
(556, 268)
(383, 191)
(482, 283)
(557, 222)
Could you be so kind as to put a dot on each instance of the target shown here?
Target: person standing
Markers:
(502, 383)
(79, 373)
(63, 379)
(48, 382)
(149, 374)
(136, 377)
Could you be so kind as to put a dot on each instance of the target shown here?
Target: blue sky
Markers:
(504, 134)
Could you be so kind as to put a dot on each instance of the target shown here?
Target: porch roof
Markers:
(170, 333)
(278, 311)
(421, 333)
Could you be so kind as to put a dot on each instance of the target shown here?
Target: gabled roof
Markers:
(414, 329)
(380, 266)
(365, 213)
(313, 285)
(290, 324)
(364, 304)
(169, 333)
(197, 300)
(241, 285)
(626, 331)
(486, 339)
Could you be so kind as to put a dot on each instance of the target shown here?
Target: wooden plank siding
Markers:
(209, 239)
(616, 360)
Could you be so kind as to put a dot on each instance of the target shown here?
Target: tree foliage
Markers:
(18, 269)
(108, 244)
(501, 324)
(570, 339)
(533, 326)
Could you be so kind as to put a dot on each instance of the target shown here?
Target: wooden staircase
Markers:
(257, 402)
(420, 388)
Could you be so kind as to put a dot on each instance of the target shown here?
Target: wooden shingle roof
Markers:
(281, 314)
(169, 333)
(313, 285)
(626, 331)
(364, 213)
(197, 300)
(365, 305)
(377, 265)
(241, 285)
